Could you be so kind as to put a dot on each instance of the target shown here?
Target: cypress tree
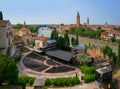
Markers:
(118, 58)
(77, 42)
(66, 37)
(1, 15)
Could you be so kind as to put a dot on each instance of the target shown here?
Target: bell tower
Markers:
(78, 19)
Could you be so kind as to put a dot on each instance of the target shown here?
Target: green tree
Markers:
(73, 41)
(54, 35)
(71, 31)
(118, 57)
(8, 70)
(98, 32)
(77, 41)
(60, 43)
(18, 26)
(1, 15)
(113, 39)
(66, 38)
(107, 51)
(33, 29)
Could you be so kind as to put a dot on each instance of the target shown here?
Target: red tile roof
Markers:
(3, 23)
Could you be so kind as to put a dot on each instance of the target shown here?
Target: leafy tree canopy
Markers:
(18, 26)
(8, 70)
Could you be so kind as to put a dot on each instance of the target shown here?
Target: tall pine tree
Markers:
(1, 15)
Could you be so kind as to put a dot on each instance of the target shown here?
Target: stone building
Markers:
(26, 35)
(6, 37)
(95, 52)
(41, 42)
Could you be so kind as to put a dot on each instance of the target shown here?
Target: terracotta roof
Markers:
(3, 23)
(41, 38)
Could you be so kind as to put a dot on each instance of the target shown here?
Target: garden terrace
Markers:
(59, 69)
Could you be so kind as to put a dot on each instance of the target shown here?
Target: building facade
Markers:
(41, 42)
(26, 35)
(6, 37)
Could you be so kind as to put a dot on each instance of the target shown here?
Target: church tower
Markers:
(78, 19)
(87, 21)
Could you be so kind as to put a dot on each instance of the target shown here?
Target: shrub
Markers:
(88, 78)
(31, 81)
(45, 87)
(60, 82)
(22, 82)
(89, 73)
(17, 58)
(87, 69)
(47, 82)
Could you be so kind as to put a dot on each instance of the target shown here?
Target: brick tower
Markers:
(78, 19)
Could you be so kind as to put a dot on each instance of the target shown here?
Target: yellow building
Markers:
(103, 35)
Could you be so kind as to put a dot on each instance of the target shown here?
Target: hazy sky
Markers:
(61, 11)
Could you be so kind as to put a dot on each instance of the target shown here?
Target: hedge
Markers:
(87, 69)
(89, 73)
(21, 82)
(25, 80)
(60, 82)
(88, 78)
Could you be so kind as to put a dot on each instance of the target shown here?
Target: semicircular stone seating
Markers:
(36, 62)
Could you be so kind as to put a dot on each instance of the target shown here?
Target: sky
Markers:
(61, 11)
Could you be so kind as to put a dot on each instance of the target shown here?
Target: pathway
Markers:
(83, 86)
